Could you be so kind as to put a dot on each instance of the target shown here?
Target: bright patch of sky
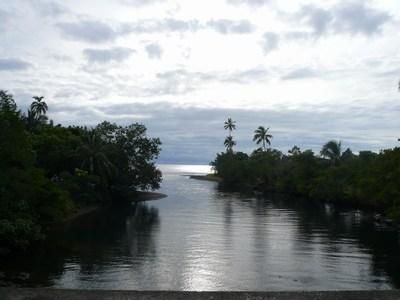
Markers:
(309, 70)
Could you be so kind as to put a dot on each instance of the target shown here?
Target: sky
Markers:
(311, 71)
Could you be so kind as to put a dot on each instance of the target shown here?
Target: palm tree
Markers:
(229, 143)
(230, 125)
(332, 150)
(261, 135)
(39, 107)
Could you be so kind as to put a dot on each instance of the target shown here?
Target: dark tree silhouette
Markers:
(332, 150)
(229, 143)
(39, 107)
(230, 125)
(261, 135)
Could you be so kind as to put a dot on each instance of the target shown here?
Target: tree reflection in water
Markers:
(90, 244)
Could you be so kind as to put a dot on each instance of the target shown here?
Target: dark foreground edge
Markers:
(47, 294)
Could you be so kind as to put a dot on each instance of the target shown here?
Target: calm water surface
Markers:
(201, 238)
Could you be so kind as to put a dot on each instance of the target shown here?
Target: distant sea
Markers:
(185, 169)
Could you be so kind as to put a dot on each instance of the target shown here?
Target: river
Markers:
(202, 238)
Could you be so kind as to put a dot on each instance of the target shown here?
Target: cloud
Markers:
(162, 25)
(247, 76)
(140, 3)
(48, 8)
(222, 26)
(357, 17)
(225, 26)
(254, 3)
(270, 42)
(318, 18)
(103, 56)
(346, 18)
(153, 50)
(11, 64)
(181, 81)
(87, 31)
(302, 73)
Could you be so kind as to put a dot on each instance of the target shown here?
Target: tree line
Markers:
(365, 179)
(48, 171)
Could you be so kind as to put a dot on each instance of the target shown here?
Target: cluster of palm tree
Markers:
(261, 135)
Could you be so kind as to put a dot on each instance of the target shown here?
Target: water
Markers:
(201, 238)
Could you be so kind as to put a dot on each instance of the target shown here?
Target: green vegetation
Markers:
(47, 171)
(368, 179)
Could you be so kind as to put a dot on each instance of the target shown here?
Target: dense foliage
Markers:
(367, 179)
(47, 171)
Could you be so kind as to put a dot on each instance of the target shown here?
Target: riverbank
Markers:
(48, 294)
(140, 196)
(208, 177)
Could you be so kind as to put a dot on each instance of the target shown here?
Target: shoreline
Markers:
(137, 196)
(207, 177)
(140, 196)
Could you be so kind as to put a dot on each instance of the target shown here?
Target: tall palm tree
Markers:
(230, 125)
(332, 150)
(39, 107)
(261, 135)
(229, 143)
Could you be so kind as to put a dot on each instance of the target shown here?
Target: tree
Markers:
(230, 125)
(332, 150)
(133, 153)
(229, 143)
(39, 107)
(94, 154)
(7, 103)
(295, 150)
(261, 135)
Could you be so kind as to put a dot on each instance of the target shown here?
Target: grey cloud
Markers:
(318, 18)
(270, 42)
(347, 18)
(356, 17)
(48, 8)
(225, 26)
(156, 26)
(154, 50)
(247, 76)
(88, 31)
(256, 3)
(301, 73)
(180, 81)
(12, 64)
(103, 56)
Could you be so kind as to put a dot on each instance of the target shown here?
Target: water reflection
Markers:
(90, 246)
(205, 238)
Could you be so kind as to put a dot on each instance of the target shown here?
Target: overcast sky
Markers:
(310, 70)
